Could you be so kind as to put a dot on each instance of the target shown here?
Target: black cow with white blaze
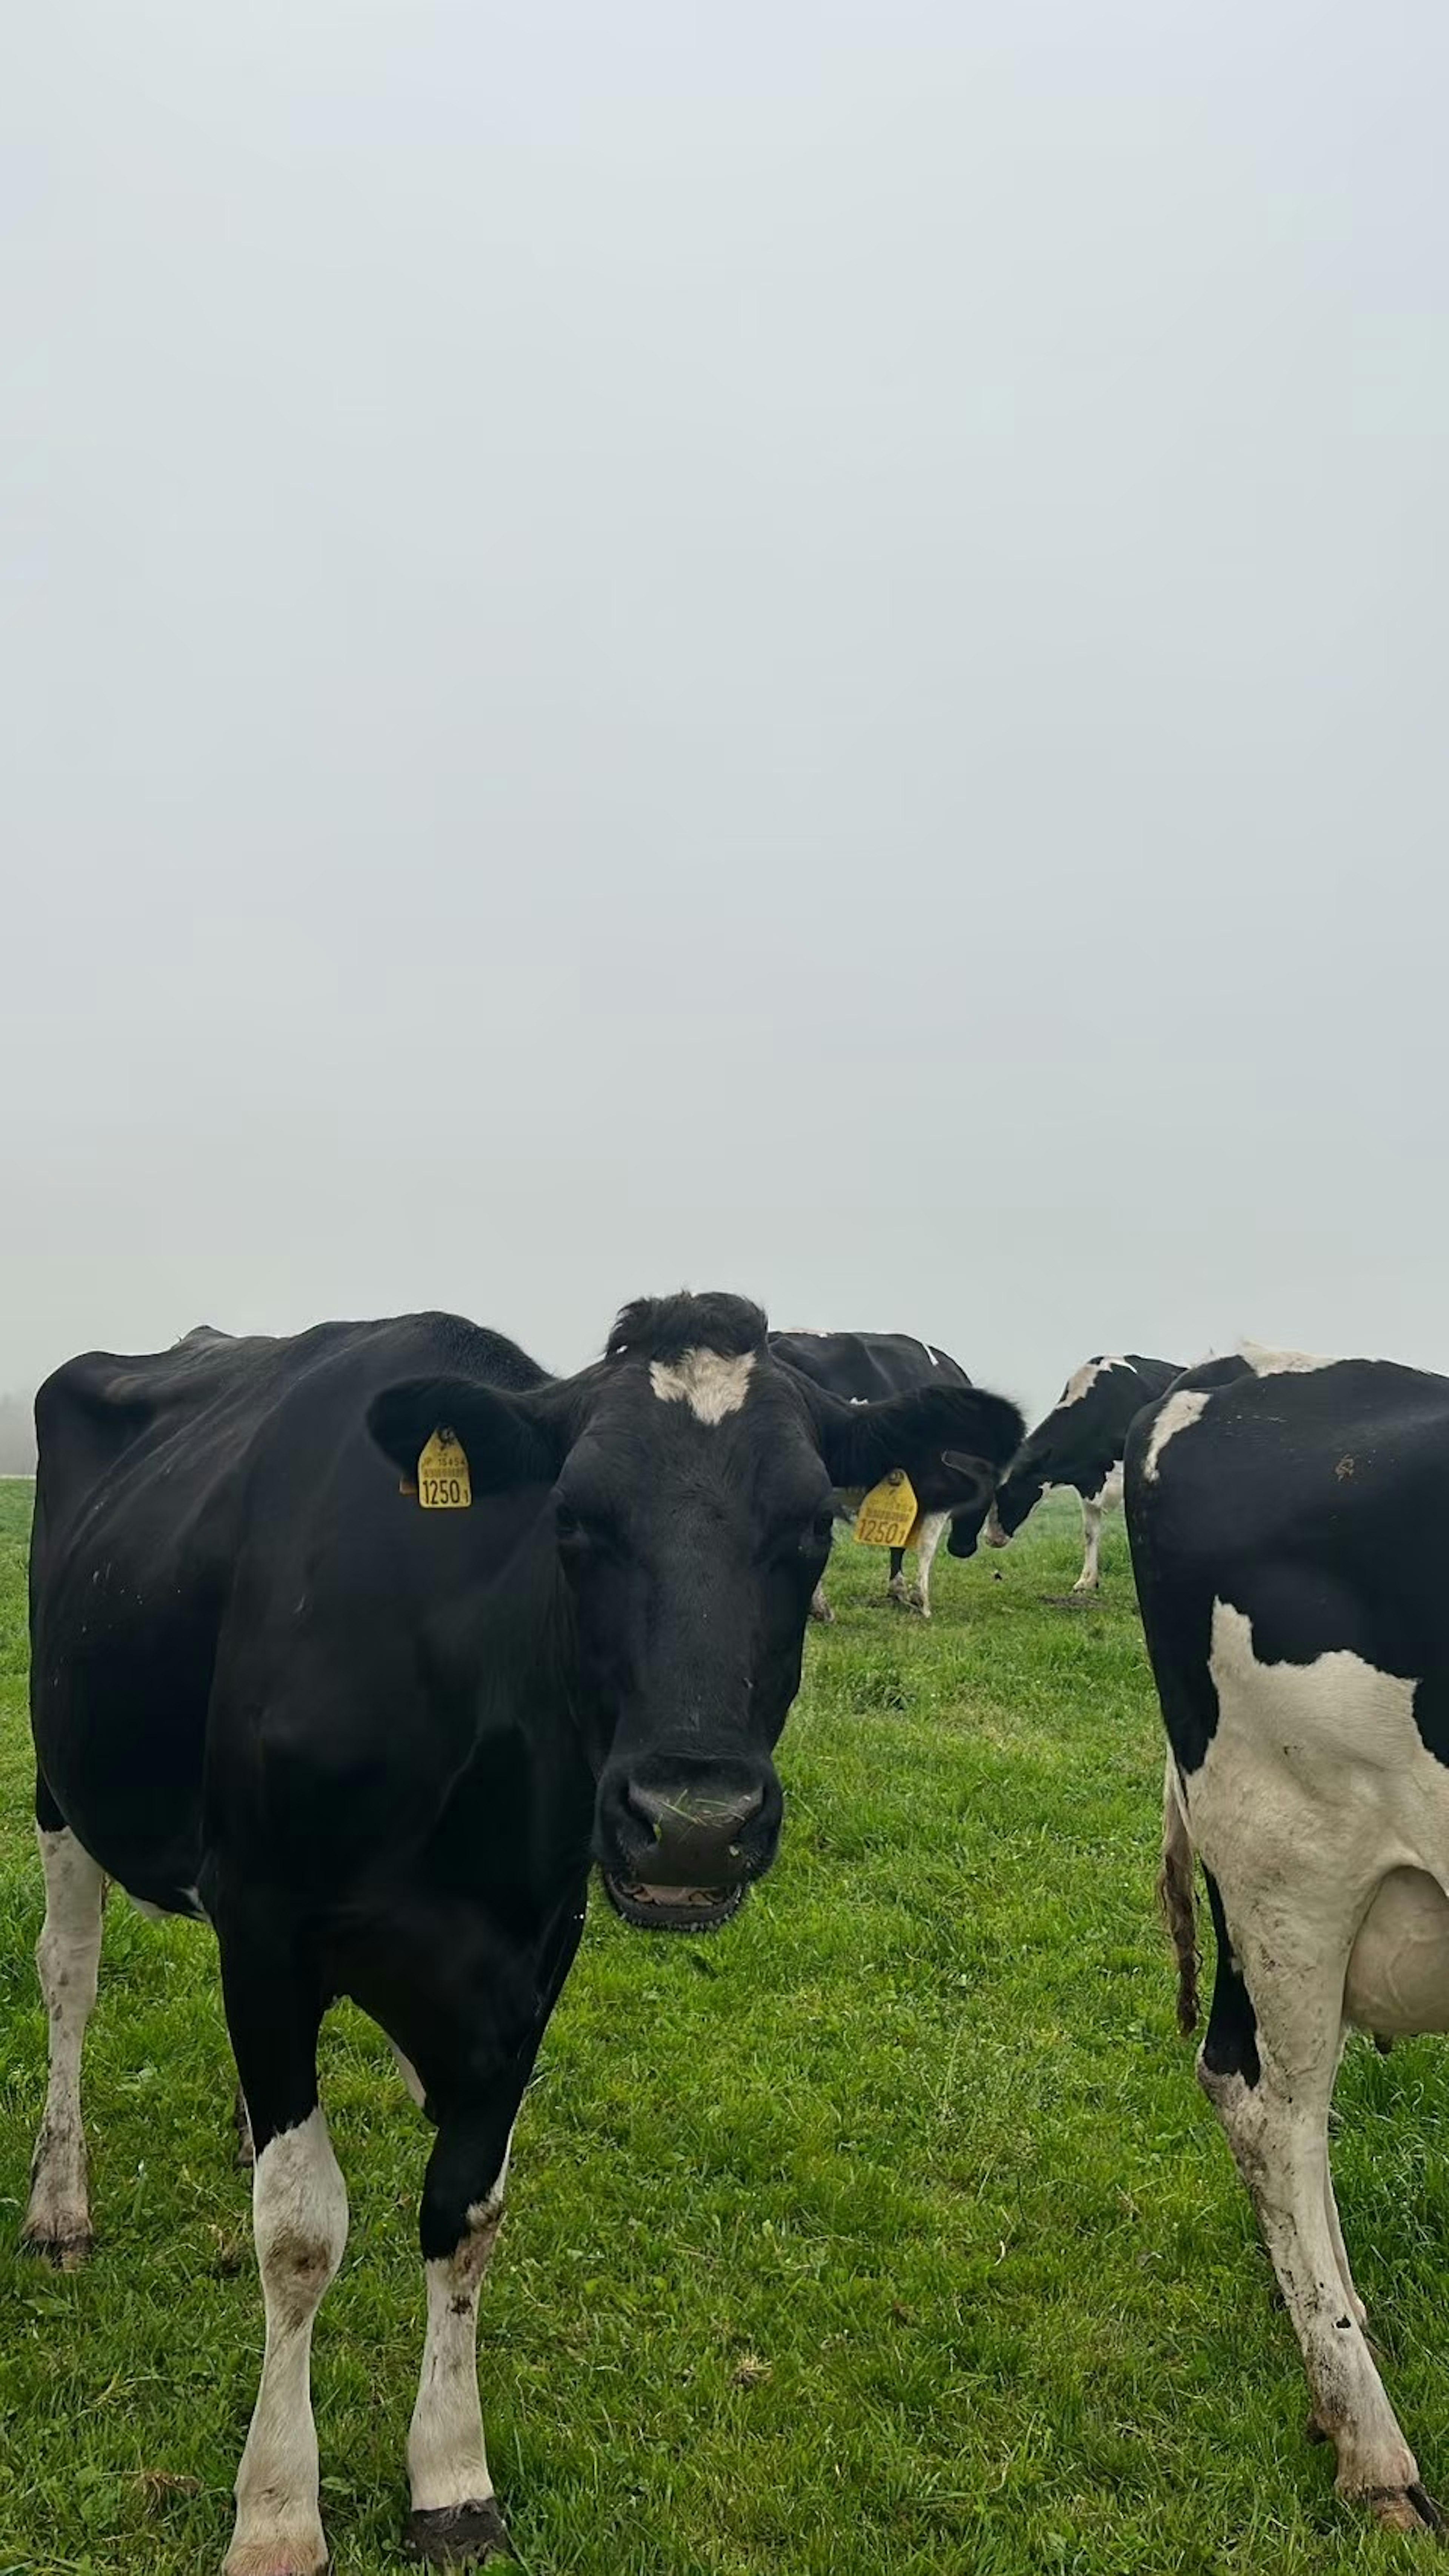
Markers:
(865, 1368)
(1287, 1522)
(1079, 1445)
(378, 1745)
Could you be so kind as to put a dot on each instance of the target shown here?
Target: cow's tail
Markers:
(1177, 1895)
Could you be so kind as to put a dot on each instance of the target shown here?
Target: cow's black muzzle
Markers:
(678, 1843)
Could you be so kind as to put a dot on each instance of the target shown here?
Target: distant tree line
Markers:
(17, 1436)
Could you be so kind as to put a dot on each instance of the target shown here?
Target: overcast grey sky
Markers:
(778, 646)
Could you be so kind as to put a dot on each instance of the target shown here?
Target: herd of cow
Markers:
(365, 1646)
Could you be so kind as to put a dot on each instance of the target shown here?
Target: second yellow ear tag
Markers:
(444, 1484)
(889, 1512)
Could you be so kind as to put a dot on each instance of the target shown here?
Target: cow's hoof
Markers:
(1405, 2509)
(277, 2558)
(65, 2247)
(457, 2535)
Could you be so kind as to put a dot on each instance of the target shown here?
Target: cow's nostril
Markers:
(693, 1811)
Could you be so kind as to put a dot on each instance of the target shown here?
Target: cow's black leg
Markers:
(299, 2223)
(455, 2521)
(896, 1588)
(58, 2219)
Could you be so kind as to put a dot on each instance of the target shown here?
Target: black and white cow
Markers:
(1287, 1524)
(1079, 1444)
(865, 1368)
(377, 1745)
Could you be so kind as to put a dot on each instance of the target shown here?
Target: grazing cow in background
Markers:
(360, 1645)
(864, 1368)
(1286, 1517)
(1079, 1444)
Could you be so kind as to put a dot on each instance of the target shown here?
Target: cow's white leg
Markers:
(1335, 2230)
(299, 2220)
(1091, 1573)
(933, 1528)
(246, 2153)
(1291, 1973)
(454, 2516)
(58, 2219)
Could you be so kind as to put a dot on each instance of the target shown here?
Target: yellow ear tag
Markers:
(889, 1512)
(443, 1481)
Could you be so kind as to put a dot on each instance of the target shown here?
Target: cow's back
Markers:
(867, 1367)
(1311, 1500)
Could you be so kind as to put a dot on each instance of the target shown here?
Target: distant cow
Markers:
(867, 1367)
(360, 1645)
(1287, 1524)
(1079, 1444)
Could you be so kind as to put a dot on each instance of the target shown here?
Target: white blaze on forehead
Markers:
(709, 1383)
(1268, 1363)
(1178, 1414)
(1082, 1380)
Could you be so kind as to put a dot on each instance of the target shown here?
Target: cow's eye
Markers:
(567, 1522)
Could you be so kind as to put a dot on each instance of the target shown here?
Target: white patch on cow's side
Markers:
(1082, 1380)
(708, 1382)
(1178, 1413)
(447, 2463)
(1325, 1821)
(1269, 1363)
(299, 2221)
(67, 1956)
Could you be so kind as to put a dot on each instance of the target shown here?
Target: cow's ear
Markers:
(861, 1442)
(977, 1474)
(507, 1439)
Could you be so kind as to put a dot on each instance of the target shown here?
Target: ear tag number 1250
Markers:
(889, 1512)
(444, 1484)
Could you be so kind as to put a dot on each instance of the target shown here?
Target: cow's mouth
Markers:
(672, 1909)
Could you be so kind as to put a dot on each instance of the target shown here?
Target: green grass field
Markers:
(887, 2230)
